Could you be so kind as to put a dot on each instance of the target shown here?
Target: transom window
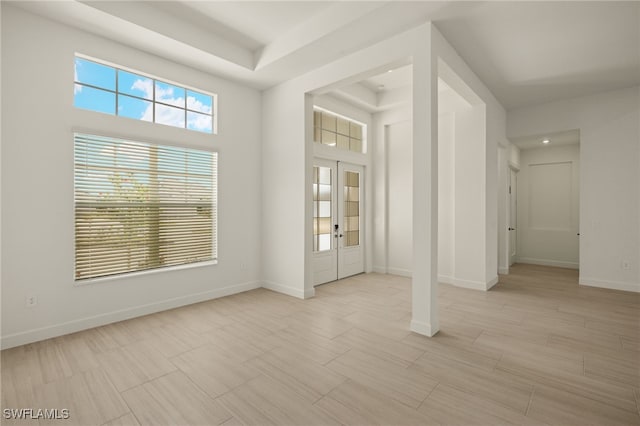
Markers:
(336, 131)
(103, 88)
(141, 206)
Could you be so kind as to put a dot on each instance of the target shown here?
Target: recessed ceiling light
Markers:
(546, 141)
(390, 71)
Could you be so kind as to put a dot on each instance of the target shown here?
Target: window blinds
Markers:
(141, 206)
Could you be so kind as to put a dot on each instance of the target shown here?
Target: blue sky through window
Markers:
(139, 96)
(95, 74)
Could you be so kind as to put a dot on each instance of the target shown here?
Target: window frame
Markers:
(153, 101)
(156, 269)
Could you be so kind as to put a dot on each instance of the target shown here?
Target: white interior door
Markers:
(548, 206)
(337, 220)
(513, 216)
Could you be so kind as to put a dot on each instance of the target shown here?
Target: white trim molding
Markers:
(473, 285)
(611, 285)
(549, 262)
(289, 291)
(37, 334)
(422, 328)
(399, 271)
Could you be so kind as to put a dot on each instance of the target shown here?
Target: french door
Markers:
(338, 220)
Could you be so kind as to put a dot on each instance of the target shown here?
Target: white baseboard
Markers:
(474, 285)
(446, 279)
(56, 330)
(289, 291)
(399, 271)
(612, 285)
(423, 328)
(503, 271)
(548, 262)
(493, 281)
(379, 270)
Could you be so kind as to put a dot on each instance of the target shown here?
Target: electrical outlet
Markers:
(31, 301)
(625, 264)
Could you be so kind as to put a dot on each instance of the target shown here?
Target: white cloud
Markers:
(166, 96)
(173, 116)
(199, 122)
(145, 85)
(195, 105)
(170, 116)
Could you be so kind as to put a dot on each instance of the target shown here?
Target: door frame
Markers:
(512, 227)
(332, 260)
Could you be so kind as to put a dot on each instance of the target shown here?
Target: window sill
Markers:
(144, 273)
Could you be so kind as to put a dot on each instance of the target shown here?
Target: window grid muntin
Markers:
(318, 184)
(154, 80)
(355, 135)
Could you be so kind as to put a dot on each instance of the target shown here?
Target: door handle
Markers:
(512, 229)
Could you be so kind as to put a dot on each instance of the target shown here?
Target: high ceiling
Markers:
(525, 52)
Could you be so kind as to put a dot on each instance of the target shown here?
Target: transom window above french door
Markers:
(334, 130)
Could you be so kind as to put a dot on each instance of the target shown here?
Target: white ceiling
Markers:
(569, 137)
(526, 52)
(390, 79)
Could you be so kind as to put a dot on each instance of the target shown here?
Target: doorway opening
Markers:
(338, 220)
(544, 227)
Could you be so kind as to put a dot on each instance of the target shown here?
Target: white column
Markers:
(425, 191)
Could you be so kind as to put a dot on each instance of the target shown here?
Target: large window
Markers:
(336, 131)
(141, 206)
(103, 88)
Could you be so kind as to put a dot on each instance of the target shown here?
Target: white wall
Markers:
(548, 197)
(446, 195)
(399, 198)
(609, 126)
(495, 133)
(37, 184)
(381, 231)
(471, 233)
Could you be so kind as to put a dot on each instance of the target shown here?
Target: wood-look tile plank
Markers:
(311, 345)
(510, 392)
(392, 379)
(173, 399)
(616, 395)
(234, 345)
(171, 340)
(353, 403)
(557, 407)
(89, 396)
(134, 364)
(322, 324)
(264, 401)
(370, 322)
(617, 370)
(452, 406)
(126, 420)
(214, 371)
(309, 379)
(367, 341)
(459, 349)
